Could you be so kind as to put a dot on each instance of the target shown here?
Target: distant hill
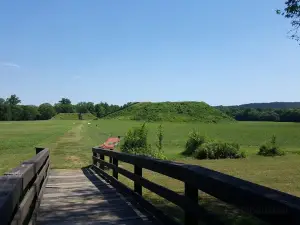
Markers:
(73, 116)
(270, 105)
(171, 111)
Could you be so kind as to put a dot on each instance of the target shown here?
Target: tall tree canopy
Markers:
(292, 12)
(46, 111)
(13, 100)
(65, 101)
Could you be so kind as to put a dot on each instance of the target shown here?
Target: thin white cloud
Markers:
(9, 64)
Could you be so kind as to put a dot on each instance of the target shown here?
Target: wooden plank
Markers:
(105, 220)
(94, 203)
(38, 160)
(69, 176)
(132, 221)
(93, 214)
(76, 184)
(24, 172)
(192, 194)
(115, 172)
(43, 173)
(39, 198)
(101, 156)
(91, 189)
(80, 200)
(115, 205)
(138, 172)
(38, 150)
(87, 195)
(27, 201)
(10, 193)
(24, 207)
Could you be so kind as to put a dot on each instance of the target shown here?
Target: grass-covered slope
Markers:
(171, 111)
(73, 116)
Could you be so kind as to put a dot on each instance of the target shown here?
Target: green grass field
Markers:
(71, 141)
(70, 144)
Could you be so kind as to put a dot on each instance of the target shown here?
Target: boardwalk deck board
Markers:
(81, 197)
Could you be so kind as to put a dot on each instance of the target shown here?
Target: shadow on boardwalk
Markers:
(80, 197)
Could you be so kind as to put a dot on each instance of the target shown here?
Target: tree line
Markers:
(11, 109)
(262, 114)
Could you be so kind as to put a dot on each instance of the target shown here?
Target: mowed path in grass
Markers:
(69, 146)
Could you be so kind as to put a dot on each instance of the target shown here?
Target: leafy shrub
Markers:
(160, 137)
(136, 138)
(218, 150)
(194, 141)
(135, 142)
(270, 148)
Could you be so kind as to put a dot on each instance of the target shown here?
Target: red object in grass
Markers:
(110, 143)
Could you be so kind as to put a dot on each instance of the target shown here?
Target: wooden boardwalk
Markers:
(81, 197)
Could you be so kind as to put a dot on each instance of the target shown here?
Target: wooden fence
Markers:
(21, 190)
(271, 206)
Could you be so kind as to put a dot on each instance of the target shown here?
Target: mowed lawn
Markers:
(70, 143)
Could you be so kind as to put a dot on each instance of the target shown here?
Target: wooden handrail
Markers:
(21, 189)
(269, 205)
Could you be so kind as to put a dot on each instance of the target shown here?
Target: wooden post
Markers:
(115, 172)
(137, 187)
(101, 164)
(110, 159)
(93, 159)
(191, 193)
(38, 150)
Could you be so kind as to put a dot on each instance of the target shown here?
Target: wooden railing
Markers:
(21, 190)
(271, 206)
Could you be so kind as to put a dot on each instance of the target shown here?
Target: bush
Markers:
(270, 148)
(194, 141)
(160, 138)
(218, 150)
(135, 142)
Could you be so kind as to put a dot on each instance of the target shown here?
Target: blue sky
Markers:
(220, 52)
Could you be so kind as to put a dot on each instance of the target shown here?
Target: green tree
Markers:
(81, 107)
(160, 137)
(64, 108)
(30, 112)
(46, 111)
(292, 12)
(90, 106)
(100, 110)
(16, 112)
(5, 111)
(65, 101)
(13, 100)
